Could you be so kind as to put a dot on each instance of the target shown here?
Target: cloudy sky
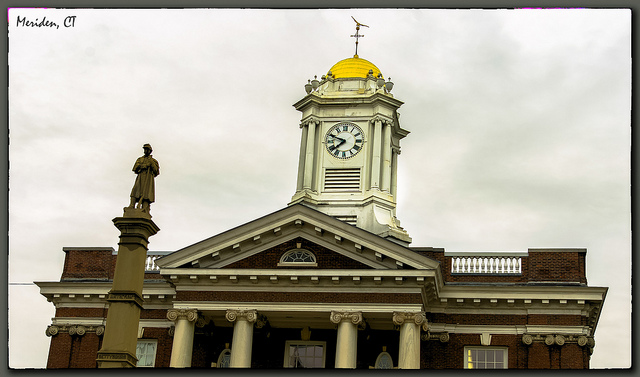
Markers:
(519, 120)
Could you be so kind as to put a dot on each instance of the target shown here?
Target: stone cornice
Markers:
(346, 100)
(92, 294)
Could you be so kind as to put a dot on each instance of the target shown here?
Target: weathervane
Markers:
(357, 35)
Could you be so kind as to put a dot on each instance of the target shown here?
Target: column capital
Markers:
(233, 315)
(353, 317)
(383, 120)
(190, 315)
(418, 318)
(309, 120)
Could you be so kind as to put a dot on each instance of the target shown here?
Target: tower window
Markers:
(298, 257)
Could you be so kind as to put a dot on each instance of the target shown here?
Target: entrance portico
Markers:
(344, 323)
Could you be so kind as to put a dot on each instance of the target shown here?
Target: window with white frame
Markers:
(304, 354)
(298, 257)
(146, 352)
(485, 358)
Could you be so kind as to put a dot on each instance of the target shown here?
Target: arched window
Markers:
(384, 361)
(224, 359)
(298, 257)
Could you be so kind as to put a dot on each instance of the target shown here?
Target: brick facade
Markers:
(561, 266)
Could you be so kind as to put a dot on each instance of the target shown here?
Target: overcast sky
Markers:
(519, 120)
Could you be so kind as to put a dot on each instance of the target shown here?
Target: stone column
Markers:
(242, 337)
(377, 145)
(303, 156)
(409, 354)
(347, 342)
(309, 163)
(125, 297)
(385, 180)
(182, 348)
(394, 172)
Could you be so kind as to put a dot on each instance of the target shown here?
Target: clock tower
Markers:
(349, 148)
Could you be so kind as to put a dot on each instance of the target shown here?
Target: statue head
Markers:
(147, 147)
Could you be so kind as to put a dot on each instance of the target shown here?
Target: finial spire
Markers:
(357, 34)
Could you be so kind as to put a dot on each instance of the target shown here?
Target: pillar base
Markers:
(116, 359)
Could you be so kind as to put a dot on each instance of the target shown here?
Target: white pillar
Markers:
(385, 180)
(409, 350)
(310, 150)
(182, 348)
(347, 342)
(242, 337)
(377, 145)
(303, 154)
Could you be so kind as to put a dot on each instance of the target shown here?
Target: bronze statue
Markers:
(143, 192)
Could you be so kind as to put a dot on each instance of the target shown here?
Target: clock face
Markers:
(344, 140)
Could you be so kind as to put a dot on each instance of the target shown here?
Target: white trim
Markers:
(285, 285)
(486, 254)
(296, 264)
(506, 329)
(85, 321)
(297, 306)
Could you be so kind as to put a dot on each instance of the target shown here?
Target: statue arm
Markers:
(155, 167)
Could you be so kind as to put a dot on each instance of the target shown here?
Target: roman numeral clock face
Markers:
(344, 140)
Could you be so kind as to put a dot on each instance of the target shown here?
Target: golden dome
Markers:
(353, 67)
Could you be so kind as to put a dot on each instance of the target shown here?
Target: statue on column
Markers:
(143, 192)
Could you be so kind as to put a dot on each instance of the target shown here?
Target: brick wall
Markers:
(541, 265)
(325, 258)
(558, 265)
(165, 343)
(97, 263)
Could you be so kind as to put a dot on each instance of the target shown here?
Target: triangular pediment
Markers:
(261, 242)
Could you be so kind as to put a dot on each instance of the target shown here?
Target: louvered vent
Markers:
(341, 180)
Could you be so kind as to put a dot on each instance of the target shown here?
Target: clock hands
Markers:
(342, 141)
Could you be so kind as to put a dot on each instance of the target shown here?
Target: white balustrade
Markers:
(150, 263)
(486, 263)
